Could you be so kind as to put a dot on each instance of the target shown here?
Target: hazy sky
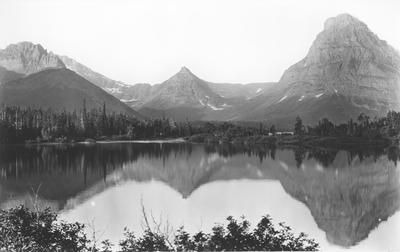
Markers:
(219, 40)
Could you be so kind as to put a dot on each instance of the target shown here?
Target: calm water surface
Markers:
(343, 199)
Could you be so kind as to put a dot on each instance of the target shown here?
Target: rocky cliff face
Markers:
(27, 58)
(98, 79)
(348, 70)
(24, 58)
(347, 58)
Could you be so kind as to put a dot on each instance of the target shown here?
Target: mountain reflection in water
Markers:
(347, 192)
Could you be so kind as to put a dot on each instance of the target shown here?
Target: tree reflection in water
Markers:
(349, 192)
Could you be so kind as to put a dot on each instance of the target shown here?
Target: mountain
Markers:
(32, 76)
(132, 95)
(59, 89)
(26, 58)
(348, 70)
(183, 96)
(186, 96)
(184, 88)
(111, 86)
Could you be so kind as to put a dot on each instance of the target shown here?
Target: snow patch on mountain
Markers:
(129, 100)
(113, 90)
(121, 84)
(283, 98)
(214, 108)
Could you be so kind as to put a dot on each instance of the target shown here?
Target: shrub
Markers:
(235, 236)
(25, 230)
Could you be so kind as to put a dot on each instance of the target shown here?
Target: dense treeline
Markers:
(364, 126)
(363, 130)
(36, 124)
(18, 125)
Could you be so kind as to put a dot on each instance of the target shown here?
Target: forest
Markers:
(21, 125)
(18, 125)
(25, 125)
(363, 126)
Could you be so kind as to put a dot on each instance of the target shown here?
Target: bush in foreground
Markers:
(25, 230)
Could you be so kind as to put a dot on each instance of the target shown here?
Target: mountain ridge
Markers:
(27, 58)
(60, 89)
(96, 78)
(347, 70)
(346, 60)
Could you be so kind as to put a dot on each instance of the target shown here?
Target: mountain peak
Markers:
(26, 46)
(185, 70)
(27, 58)
(184, 75)
(345, 60)
(341, 21)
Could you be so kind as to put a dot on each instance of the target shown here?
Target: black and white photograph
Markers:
(199, 125)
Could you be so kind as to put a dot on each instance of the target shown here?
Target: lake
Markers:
(343, 199)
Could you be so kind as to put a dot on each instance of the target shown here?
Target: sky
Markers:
(147, 41)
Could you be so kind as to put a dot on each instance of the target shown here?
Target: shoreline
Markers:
(175, 140)
(93, 141)
(342, 142)
(300, 141)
